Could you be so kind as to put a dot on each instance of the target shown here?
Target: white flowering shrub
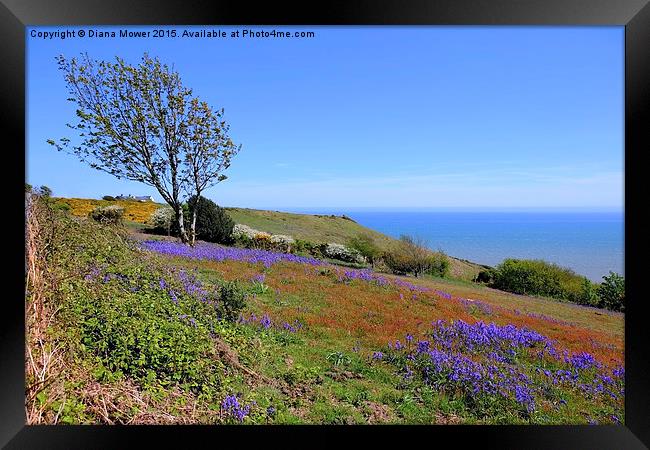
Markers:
(252, 238)
(243, 231)
(282, 242)
(343, 253)
(162, 218)
(282, 239)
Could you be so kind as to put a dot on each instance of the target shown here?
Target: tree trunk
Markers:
(181, 226)
(193, 226)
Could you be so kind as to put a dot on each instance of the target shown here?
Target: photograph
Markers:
(325, 225)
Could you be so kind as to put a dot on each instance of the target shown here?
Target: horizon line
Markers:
(446, 208)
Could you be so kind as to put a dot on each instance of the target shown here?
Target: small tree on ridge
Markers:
(139, 122)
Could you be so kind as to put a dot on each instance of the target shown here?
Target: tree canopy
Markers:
(139, 122)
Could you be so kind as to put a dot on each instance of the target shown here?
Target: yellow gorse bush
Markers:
(134, 210)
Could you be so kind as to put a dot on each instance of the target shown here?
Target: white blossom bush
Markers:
(343, 253)
(244, 231)
(250, 237)
(282, 242)
(162, 218)
(282, 239)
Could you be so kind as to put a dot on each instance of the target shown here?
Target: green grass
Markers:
(315, 228)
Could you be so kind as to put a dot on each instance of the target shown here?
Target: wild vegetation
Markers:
(137, 314)
(536, 277)
(155, 331)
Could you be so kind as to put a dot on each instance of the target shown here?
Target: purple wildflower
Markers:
(266, 322)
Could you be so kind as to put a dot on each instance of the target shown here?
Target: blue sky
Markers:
(435, 117)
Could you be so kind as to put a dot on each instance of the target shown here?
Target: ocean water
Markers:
(590, 243)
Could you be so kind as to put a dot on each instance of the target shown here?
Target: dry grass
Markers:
(42, 356)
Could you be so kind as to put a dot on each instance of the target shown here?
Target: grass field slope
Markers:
(154, 331)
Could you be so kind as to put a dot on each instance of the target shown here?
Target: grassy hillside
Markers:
(144, 333)
(328, 228)
(317, 228)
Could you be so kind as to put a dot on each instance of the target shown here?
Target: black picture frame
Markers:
(15, 15)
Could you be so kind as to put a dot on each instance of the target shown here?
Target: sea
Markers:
(590, 243)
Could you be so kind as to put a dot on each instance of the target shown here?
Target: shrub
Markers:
(485, 276)
(107, 215)
(61, 206)
(243, 231)
(108, 198)
(365, 245)
(262, 240)
(438, 265)
(232, 301)
(538, 277)
(611, 292)
(247, 237)
(343, 253)
(242, 240)
(412, 256)
(162, 220)
(282, 242)
(213, 224)
(589, 294)
(310, 248)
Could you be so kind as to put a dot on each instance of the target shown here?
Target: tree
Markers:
(45, 191)
(411, 255)
(612, 292)
(139, 122)
(209, 152)
(213, 224)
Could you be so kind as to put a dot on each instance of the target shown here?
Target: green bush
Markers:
(107, 215)
(485, 276)
(232, 301)
(538, 277)
(411, 256)
(317, 250)
(589, 294)
(438, 265)
(108, 198)
(611, 292)
(365, 245)
(534, 277)
(243, 241)
(213, 224)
